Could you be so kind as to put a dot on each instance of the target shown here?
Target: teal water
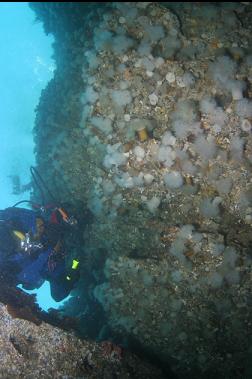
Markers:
(26, 67)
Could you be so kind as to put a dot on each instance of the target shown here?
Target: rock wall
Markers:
(147, 124)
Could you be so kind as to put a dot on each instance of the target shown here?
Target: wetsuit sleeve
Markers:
(62, 282)
(32, 274)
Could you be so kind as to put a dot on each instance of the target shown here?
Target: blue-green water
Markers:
(26, 67)
(144, 135)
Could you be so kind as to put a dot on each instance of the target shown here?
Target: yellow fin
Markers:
(19, 235)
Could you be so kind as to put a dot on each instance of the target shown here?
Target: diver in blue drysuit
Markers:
(32, 251)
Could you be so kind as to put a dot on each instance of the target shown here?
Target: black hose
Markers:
(22, 201)
(35, 178)
(40, 183)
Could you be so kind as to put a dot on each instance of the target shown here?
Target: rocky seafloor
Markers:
(39, 350)
(145, 133)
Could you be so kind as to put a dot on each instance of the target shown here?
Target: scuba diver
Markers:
(32, 249)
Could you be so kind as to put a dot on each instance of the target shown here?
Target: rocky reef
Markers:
(145, 132)
(43, 351)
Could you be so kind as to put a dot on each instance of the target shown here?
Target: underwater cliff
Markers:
(145, 133)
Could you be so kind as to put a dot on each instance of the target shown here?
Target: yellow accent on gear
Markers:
(19, 235)
(75, 264)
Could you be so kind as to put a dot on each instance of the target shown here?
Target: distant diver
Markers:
(17, 187)
(32, 249)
